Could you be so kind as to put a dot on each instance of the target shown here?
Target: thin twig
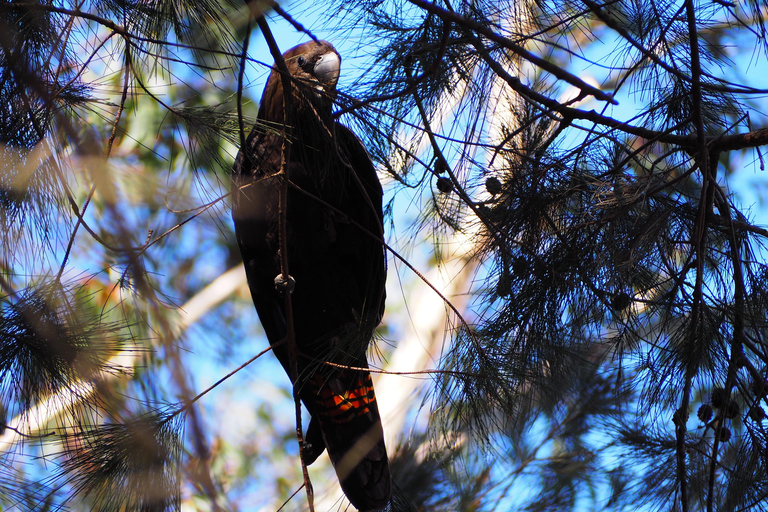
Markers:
(504, 42)
(700, 230)
(737, 349)
(288, 500)
(108, 152)
(220, 381)
(287, 17)
(240, 76)
(290, 336)
(403, 259)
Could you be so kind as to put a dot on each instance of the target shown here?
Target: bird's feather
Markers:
(335, 253)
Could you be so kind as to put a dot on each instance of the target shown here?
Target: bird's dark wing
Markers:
(334, 243)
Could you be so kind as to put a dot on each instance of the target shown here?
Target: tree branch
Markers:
(504, 42)
(283, 241)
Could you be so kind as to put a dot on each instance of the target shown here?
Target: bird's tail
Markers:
(348, 418)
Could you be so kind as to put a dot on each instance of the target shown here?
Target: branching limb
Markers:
(504, 42)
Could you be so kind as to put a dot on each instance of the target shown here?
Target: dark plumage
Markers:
(335, 255)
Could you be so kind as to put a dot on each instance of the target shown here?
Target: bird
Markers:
(330, 225)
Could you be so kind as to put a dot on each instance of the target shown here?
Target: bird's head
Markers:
(314, 67)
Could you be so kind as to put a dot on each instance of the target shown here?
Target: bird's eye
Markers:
(301, 60)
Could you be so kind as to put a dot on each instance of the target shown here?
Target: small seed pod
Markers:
(444, 185)
(620, 301)
(718, 397)
(725, 434)
(705, 412)
(679, 417)
(521, 267)
(284, 286)
(493, 185)
(757, 413)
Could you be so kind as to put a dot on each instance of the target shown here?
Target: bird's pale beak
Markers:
(327, 68)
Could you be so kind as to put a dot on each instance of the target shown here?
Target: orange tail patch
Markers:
(343, 398)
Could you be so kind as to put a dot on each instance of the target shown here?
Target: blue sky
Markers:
(748, 182)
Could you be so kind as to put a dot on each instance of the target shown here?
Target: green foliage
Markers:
(612, 350)
(50, 341)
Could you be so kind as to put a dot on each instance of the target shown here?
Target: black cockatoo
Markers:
(336, 262)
